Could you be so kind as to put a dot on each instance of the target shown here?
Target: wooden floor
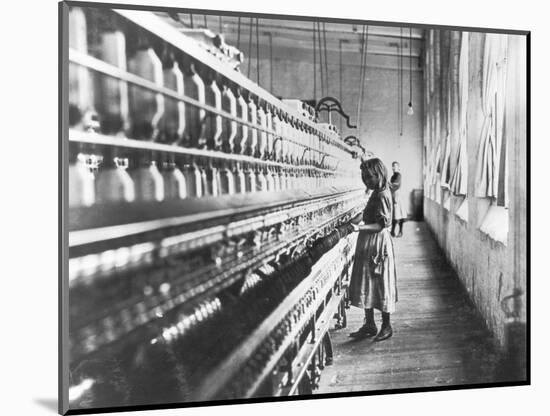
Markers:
(438, 339)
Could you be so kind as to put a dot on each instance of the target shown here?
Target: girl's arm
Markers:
(382, 217)
(373, 227)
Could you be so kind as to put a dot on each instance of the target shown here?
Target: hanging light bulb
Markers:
(410, 111)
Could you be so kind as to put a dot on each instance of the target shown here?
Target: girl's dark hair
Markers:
(395, 162)
(377, 169)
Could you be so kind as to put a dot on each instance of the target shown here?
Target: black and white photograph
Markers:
(264, 207)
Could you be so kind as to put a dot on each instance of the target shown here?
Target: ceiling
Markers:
(382, 40)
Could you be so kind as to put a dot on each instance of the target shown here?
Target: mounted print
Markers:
(263, 207)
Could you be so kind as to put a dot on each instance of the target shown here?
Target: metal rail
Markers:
(103, 67)
(192, 288)
(101, 139)
(159, 27)
(307, 351)
(180, 242)
(233, 364)
(284, 210)
(178, 232)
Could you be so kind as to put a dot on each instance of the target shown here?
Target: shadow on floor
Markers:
(439, 338)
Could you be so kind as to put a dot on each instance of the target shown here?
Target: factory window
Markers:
(446, 168)
(491, 168)
(491, 181)
(459, 179)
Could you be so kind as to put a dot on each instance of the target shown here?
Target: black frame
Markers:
(63, 126)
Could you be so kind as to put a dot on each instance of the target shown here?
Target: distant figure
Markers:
(373, 282)
(399, 212)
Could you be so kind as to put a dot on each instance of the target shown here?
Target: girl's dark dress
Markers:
(399, 211)
(373, 278)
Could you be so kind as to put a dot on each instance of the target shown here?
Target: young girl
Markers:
(373, 279)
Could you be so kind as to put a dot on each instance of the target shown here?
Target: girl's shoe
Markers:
(385, 333)
(367, 330)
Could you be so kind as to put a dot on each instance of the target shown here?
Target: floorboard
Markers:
(438, 338)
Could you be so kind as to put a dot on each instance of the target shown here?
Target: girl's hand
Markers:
(355, 227)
